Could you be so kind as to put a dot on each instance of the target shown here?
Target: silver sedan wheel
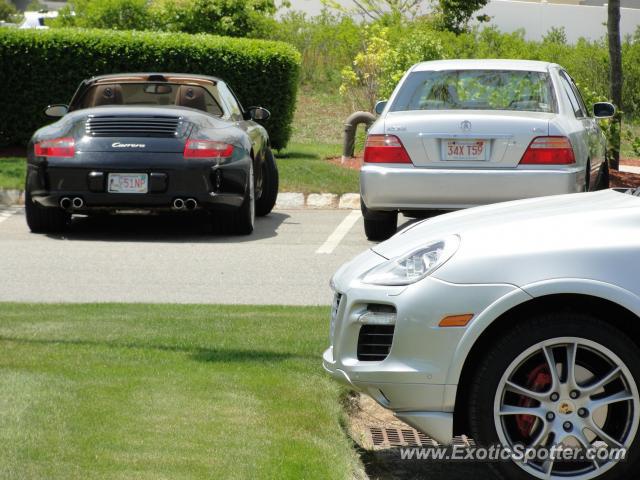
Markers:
(569, 392)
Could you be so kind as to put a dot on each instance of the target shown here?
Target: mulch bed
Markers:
(623, 179)
(618, 179)
(353, 163)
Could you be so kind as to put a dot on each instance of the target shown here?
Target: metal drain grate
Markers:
(385, 437)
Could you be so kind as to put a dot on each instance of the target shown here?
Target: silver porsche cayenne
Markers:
(517, 323)
(462, 133)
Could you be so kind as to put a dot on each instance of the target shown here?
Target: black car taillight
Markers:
(57, 147)
(207, 149)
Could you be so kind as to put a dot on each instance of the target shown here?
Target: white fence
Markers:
(535, 18)
(578, 20)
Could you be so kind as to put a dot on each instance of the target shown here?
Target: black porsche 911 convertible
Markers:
(140, 143)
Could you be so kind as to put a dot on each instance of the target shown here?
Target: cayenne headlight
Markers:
(415, 265)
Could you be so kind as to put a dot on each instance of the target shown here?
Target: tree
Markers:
(456, 14)
(7, 10)
(615, 78)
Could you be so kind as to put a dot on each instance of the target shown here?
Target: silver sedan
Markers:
(517, 323)
(462, 133)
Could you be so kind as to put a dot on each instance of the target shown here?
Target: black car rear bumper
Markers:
(213, 186)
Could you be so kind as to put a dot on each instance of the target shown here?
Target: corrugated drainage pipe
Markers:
(350, 126)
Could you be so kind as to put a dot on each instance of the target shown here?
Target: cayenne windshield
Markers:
(476, 90)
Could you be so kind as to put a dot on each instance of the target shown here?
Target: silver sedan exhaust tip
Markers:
(78, 202)
(65, 203)
(178, 204)
(190, 204)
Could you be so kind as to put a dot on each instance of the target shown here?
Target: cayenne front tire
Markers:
(566, 379)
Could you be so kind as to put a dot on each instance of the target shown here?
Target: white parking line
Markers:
(4, 214)
(339, 233)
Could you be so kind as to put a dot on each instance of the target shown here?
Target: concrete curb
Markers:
(11, 197)
(294, 200)
(286, 200)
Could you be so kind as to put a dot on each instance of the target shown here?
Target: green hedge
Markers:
(41, 67)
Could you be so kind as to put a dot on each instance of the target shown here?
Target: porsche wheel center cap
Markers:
(566, 408)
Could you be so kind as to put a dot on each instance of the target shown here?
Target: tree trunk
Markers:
(615, 77)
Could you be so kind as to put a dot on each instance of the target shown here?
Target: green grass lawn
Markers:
(12, 172)
(303, 168)
(166, 391)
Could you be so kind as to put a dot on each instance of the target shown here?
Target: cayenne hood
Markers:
(525, 241)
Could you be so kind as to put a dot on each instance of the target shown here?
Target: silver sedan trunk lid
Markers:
(467, 139)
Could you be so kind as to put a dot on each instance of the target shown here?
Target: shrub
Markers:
(7, 10)
(113, 14)
(43, 67)
(236, 18)
(327, 42)
(376, 70)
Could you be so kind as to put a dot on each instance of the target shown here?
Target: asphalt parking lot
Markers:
(289, 259)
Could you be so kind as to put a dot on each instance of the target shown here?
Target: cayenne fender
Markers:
(476, 328)
(582, 286)
(576, 286)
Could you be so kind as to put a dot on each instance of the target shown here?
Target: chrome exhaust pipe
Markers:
(65, 203)
(78, 202)
(178, 204)
(190, 203)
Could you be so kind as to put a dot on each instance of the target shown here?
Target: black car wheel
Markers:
(557, 379)
(378, 225)
(243, 219)
(270, 181)
(44, 220)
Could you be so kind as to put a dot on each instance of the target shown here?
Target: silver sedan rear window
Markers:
(476, 90)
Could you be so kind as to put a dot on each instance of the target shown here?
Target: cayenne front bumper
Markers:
(406, 187)
(414, 379)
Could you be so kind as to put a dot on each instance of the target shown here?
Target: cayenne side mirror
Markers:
(258, 113)
(56, 111)
(379, 108)
(604, 110)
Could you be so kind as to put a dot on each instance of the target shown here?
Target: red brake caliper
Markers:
(538, 380)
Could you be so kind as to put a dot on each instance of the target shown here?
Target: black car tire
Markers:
(378, 225)
(270, 183)
(526, 333)
(603, 176)
(44, 220)
(242, 220)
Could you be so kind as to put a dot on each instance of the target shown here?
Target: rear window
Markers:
(476, 90)
(147, 94)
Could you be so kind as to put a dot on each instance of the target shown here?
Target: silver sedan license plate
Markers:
(465, 150)
(128, 183)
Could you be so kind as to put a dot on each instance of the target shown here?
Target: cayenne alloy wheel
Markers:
(571, 392)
